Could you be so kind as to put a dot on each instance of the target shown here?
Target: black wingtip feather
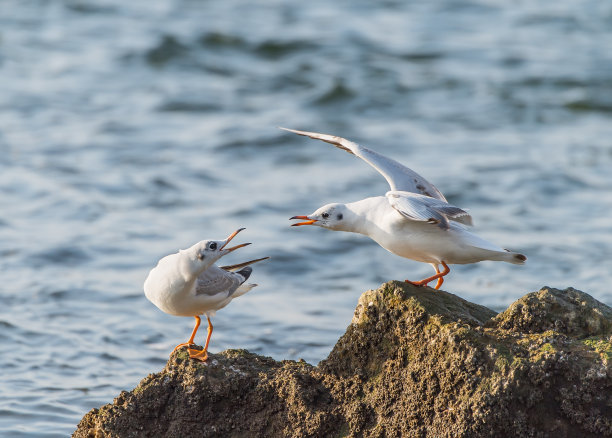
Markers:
(245, 272)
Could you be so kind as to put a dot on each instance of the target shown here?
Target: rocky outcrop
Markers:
(414, 362)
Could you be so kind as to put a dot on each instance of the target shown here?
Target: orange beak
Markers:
(228, 240)
(308, 221)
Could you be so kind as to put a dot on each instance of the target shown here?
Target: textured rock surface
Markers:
(413, 362)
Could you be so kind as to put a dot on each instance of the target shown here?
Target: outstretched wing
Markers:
(216, 280)
(423, 208)
(397, 175)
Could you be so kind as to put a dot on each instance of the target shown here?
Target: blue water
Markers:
(129, 130)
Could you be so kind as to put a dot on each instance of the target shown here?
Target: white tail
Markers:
(514, 258)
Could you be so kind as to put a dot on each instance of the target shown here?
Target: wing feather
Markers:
(424, 208)
(243, 264)
(397, 175)
(216, 280)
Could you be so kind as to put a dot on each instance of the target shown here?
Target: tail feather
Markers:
(244, 288)
(515, 258)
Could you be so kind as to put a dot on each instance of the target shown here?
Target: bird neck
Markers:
(364, 213)
(189, 268)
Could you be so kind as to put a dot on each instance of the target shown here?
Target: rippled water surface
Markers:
(129, 130)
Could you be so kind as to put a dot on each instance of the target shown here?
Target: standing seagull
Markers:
(413, 219)
(188, 283)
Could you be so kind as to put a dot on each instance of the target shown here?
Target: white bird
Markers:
(188, 283)
(413, 219)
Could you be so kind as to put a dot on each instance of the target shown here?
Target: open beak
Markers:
(308, 221)
(228, 240)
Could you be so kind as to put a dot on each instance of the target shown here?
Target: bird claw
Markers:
(201, 355)
(184, 344)
(416, 283)
(420, 284)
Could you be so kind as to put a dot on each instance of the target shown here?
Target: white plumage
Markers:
(413, 220)
(188, 283)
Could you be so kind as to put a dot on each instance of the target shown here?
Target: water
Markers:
(131, 129)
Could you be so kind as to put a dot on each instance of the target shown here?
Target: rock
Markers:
(414, 362)
(569, 312)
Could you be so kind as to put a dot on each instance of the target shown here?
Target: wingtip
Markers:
(243, 264)
(295, 131)
(339, 142)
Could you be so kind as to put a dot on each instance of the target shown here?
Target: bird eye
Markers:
(212, 246)
(325, 215)
(339, 217)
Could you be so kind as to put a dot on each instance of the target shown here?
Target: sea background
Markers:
(129, 130)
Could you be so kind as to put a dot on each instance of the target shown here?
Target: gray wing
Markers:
(397, 175)
(423, 208)
(215, 280)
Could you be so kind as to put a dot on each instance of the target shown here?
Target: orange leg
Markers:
(439, 276)
(202, 355)
(440, 280)
(193, 333)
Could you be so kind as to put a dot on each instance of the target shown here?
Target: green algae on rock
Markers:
(414, 362)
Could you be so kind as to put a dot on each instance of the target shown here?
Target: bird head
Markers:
(205, 253)
(331, 216)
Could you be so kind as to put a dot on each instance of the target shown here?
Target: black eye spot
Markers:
(339, 217)
(325, 215)
(212, 246)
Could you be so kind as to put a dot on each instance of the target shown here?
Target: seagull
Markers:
(188, 283)
(413, 219)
